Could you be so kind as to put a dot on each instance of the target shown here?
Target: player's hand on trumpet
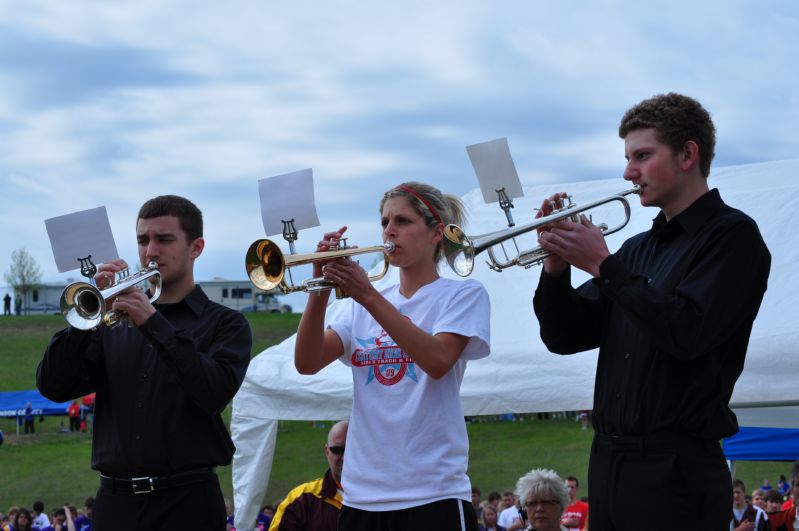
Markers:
(135, 304)
(107, 272)
(329, 242)
(553, 264)
(351, 278)
(579, 244)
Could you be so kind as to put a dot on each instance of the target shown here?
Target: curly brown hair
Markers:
(676, 119)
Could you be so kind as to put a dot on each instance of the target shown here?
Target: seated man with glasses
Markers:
(314, 506)
(543, 495)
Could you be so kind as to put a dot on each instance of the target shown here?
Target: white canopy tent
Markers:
(520, 375)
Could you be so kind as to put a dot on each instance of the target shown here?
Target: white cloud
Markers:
(115, 102)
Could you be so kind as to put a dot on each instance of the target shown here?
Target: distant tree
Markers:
(24, 275)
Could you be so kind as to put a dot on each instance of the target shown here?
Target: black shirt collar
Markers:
(691, 219)
(195, 301)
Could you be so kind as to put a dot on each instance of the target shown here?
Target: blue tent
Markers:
(12, 404)
(763, 444)
(769, 432)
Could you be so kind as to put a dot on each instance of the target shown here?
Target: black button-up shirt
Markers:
(160, 387)
(671, 313)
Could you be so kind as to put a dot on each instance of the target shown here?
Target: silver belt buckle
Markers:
(142, 485)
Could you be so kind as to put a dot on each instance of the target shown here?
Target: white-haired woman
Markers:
(407, 345)
(544, 496)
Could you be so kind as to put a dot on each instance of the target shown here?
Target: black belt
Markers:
(146, 484)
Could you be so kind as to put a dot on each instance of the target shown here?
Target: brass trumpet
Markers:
(266, 266)
(84, 305)
(460, 250)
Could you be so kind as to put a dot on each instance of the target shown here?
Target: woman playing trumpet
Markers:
(407, 344)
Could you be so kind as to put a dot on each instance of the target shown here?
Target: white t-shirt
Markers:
(508, 516)
(41, 521)
(407, 443)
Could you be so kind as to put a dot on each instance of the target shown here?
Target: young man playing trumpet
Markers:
(161, 384)
(671, 312)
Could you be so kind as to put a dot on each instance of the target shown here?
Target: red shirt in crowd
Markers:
(580, 509)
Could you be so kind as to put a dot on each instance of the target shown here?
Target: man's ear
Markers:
(197, 247)
(689, 156)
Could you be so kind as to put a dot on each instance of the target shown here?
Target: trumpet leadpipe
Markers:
(460, 249)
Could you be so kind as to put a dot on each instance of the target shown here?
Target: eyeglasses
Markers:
(543, 503)
(338, 450)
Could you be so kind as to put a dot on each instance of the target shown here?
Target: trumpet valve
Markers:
(112, 318)
(339, 245)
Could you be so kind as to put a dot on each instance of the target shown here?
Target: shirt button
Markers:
(138, 404)
(618, 395)
(626, 355)
(144, 376)
(137, 437)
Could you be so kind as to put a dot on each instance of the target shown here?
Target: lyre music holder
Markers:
(505, 203)
(88, 269)
(289, 233)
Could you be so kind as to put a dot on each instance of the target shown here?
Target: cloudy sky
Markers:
(111, 103)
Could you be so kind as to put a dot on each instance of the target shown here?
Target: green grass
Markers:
(22, 343)
(54, 466)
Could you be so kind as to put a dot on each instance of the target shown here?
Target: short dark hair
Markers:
(38, 506)
(572, 478)
(189, 216)
(676, 119)
(475, 490)
(773, 495)
(738, 484)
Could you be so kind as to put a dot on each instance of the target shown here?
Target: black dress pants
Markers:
(195, 507)
(659, 482)
(443, 515)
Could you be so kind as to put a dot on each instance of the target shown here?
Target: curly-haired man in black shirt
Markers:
(671, 312)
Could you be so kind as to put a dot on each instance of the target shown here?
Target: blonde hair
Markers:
(431, 204)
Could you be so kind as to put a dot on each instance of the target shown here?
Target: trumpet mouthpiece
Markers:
(389, 247)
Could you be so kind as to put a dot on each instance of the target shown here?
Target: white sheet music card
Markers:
(495, 169)
(79, 235)
(285, 197)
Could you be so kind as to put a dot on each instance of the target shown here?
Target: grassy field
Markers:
(54, 466)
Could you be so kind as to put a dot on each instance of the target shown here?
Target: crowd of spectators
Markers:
(767, 508)
(66, 518)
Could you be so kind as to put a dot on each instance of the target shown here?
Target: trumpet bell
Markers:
(82, 305)
(458, 250)
(265, 264)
